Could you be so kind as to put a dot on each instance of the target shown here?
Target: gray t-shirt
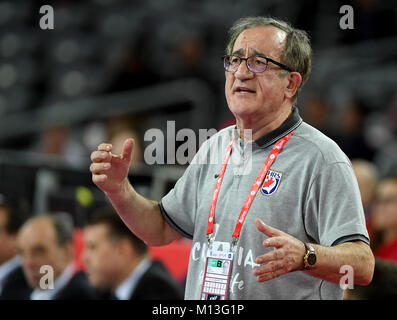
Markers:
(310, 193)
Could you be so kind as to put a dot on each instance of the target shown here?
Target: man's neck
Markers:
(128, 270)
(259, 127)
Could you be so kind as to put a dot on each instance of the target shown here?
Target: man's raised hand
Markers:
(110, 171)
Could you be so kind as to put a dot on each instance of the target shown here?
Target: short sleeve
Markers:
(333, 209)
(179, 206)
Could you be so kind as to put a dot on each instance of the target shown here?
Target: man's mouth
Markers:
(244, 90)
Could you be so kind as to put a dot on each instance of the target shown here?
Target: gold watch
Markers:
(309, 258)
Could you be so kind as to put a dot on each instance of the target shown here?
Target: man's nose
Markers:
(243, 72)
(29, 260)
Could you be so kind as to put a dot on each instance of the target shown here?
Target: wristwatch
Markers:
(309, 258)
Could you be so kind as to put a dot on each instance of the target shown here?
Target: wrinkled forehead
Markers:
(267, 40)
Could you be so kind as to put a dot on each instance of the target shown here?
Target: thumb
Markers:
(128, 146)
(266, 229)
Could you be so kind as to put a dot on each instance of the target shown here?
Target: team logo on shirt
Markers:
(271, 183)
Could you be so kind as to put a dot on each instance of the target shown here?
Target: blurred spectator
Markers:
(351, 136)
(316, 112)
(47, 240)
(367, 178)
(383, 285)
(118, 261)
(57, 140)
(383, 134)
(12, 216)
(384, 220)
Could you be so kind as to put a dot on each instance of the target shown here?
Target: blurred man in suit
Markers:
(47, 241)
(12, 215)
(116, 260)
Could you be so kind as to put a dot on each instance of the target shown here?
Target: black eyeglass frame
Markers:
(282, 66)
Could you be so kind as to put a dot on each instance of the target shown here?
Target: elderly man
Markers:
(308, 208)
(46, 246)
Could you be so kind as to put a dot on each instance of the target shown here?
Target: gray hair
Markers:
(297, 53)
(64, 227)
(62, 223)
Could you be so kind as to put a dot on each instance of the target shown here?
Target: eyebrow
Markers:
(241, 52)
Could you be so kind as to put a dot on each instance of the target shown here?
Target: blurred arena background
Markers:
(115, 68)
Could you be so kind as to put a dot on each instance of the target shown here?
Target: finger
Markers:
(99, 168)
(128, 146)
(270, 275)
(273, 255)
(105, 147)
(98, 179)
(100, 156)
(275, 242)
(267, 230)
(269, 271)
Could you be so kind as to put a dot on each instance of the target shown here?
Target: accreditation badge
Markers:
(217, 275)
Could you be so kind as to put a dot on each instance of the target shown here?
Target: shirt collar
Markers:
(125, 289)
(290, 124)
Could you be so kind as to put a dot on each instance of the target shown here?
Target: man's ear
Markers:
(126, 247)
(295, 80)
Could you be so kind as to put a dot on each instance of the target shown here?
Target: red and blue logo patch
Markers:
(271, 183)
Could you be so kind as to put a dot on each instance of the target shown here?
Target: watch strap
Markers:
(309, 251)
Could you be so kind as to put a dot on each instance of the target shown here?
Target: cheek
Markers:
(103, 261)
(267, 87)
(228, 86)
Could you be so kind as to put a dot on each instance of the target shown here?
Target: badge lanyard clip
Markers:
(233, 244)
(209, 239)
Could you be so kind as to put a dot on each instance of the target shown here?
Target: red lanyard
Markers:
(254, 189)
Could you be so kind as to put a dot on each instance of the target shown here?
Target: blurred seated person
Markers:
(384, 220)
(118, 262)
(383, 284)
(59, 141)
(367, 178)
(12, 215)
(351, 131)
(47, 240)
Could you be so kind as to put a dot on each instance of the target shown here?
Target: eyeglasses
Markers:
(256, 64)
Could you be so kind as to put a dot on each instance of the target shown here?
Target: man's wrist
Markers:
(123, 192)
(310, 258)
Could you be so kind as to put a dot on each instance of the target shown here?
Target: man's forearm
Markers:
(356, 254)
(142, 216)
